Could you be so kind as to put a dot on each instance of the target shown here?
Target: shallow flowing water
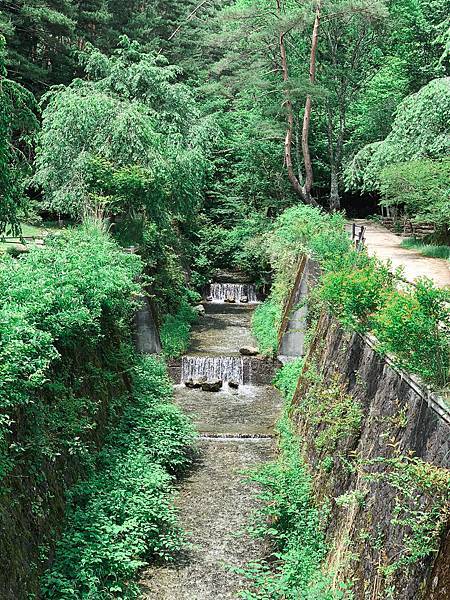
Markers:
(236, 429)
(213, 368)
(234, 292)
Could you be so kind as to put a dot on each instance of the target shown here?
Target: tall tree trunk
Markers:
(335, 201)
(300, 189)
(308, 105)
(335, 151)
(335, 154)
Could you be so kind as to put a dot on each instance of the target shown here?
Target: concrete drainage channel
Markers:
(236, 427)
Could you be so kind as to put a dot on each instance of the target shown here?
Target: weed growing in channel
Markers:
(289, 518)
(175, 330)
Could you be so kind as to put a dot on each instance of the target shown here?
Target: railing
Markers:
(24, 238)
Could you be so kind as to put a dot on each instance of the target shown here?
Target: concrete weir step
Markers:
(249, 370)
(236, 437)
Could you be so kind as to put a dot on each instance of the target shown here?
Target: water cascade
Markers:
(232, 292)
(224, 368)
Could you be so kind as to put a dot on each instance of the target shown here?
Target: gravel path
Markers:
(386, 245)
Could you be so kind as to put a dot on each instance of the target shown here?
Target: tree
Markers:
(18, 125)
(419, 131)
(349, 33)
(421, 189)
(39, 41)
(128, 139)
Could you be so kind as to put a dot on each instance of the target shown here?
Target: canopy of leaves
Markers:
(128, 139)
(419, 131)
(422, 187)
(18, 125)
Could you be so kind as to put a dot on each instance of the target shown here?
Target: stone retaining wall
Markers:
(400, 417)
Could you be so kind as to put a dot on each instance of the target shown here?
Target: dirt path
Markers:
(386, 245)
(214, 501)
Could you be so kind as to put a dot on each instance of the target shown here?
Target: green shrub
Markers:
(175, 330)
(355, 290)
(154, 418)
(287, 377)
(298, 230)
(65, 359)
(421, 188)
(360, 291)
(414, 325)
(240, 247)
(295, 525)
(123, 515)
(65, 311)
(265, 324)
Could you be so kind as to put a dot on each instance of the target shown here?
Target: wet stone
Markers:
(197, 384)
(212, 386)
(248, 351)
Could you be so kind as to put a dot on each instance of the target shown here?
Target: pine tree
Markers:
(18, 123)
(39, 41)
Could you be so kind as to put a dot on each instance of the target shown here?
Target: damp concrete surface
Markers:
(215, 500)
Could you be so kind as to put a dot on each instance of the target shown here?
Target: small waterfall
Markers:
(221, 292)
(224, 368)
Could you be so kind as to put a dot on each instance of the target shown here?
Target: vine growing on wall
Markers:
(421, 506)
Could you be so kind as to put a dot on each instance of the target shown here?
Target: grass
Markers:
(38, 231)
(426, 249)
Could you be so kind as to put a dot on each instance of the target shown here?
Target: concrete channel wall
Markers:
(146, 332)
(372, 518)
(291, 336)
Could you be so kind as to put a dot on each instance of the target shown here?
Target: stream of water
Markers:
(236, 426)
(232, 292)
(213, 368)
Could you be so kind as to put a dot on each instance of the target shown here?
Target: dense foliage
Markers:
(65, 360)
(411, 322)
(67, 366)
(290, 518)
(135, 143)
(410, 167)
(199, 132)
(18, 123)
(123, 515)
(175, 330)
(299, 230)
(58, 305)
